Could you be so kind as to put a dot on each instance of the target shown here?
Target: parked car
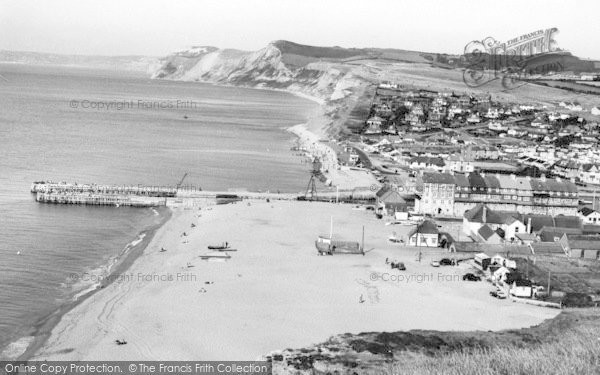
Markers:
(500, 294)
(399, 266)
(445, 262)
(471, 277)
(435, 263)
(539, 291)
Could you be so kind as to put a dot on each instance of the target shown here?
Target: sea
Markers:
(115, 127)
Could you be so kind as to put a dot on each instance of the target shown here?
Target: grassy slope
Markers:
(567, 344)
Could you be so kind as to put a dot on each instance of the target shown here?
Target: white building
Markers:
(589, 216)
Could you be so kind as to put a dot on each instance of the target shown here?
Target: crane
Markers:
(181, 181)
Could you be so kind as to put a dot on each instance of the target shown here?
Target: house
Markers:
(589, 216)
(374, 125)
(424, 162)
(499, 260)
(481, 216)
(498, 273)
(437, 195)
(497, 126)
(547, 248)
(521, 288)
(424, 234)
(473, 119)
(589, 173)
(526, 238)
(390, 200)
(488, 235)
(582, 246)
(458, 163)
(553, 234)
(499, 191)
(566, 168)
(464, 101)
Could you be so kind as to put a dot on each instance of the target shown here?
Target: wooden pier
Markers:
(151, 196)
(100, 199)
(74, 188)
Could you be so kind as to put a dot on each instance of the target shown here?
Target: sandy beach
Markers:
(343, 177)
(274, 293)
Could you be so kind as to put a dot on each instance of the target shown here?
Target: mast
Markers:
(331, 229)
(362, 246)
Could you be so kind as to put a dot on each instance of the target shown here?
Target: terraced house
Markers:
(453, 194)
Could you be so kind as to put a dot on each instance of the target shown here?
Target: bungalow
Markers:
(553, 234)
(424, 234)
(547, 248)
(566, 168)
(473, 119)
(589, 216)
(480, 215)
(488, 235)
(582, 246)
(458, 163)
(390, 200)
(521, 288)
(590, 173)
(424, 162)
(464, 101)
(497, 126)
(517, 132)
(526, 238)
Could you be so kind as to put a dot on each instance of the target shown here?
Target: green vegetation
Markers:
(567, 344)
(574, 352)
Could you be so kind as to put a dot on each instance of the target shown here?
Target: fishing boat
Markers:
(215, 255)
(329, 245)
(223, 246)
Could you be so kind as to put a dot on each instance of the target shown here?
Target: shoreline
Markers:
(270, 295)
(42, 328)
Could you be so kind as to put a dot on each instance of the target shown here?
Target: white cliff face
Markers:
(264, 68)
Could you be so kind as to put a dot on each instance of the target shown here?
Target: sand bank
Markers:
(274, 293)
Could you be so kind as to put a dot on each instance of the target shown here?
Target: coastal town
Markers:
(457, 194)
(510, 183)
(381, 192)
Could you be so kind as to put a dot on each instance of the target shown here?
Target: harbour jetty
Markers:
(100, 199)
(103, 195)
(152, 196)
(75, 188)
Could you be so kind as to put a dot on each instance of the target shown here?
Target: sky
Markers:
(158, 27)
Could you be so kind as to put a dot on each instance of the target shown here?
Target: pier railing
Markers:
(99, 199)
(63, 187)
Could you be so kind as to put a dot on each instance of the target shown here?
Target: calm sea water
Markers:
(222, 137)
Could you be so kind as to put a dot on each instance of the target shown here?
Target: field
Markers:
(572, 86)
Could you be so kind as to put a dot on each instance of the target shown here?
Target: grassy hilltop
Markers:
(567, 344)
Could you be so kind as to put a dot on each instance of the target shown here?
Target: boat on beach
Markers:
(215, 255)
(223, 246)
